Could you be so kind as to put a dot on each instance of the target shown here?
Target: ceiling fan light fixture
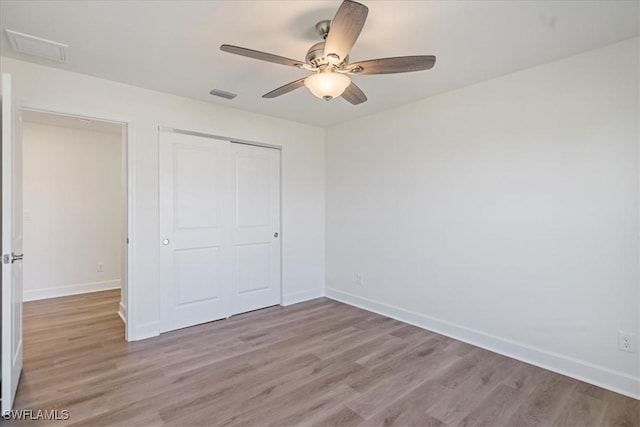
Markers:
(329, 59)
(327, 84)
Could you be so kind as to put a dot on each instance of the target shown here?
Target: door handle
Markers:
(6, 258)
(165, 242)
(275, 234)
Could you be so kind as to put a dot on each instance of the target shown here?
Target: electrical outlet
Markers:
(100, 268)
(626, 342)
(359, 279)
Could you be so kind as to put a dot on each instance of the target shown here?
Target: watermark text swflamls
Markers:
(36, 415)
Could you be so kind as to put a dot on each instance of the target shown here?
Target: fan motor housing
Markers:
(315, 56)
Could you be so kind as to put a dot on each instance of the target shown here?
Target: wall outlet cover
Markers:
(627, 341)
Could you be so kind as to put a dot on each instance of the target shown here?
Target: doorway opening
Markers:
(75, 210)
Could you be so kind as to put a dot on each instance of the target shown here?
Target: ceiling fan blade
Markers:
(400, 64)
(285, 89)
(345, 29)
(263, 56)
(354, 94)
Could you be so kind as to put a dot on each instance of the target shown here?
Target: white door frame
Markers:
(130, 306)
(247, 142)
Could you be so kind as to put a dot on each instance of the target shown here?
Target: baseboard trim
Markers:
(598, 375)
(301, 296)
(63, 291)
(122, 312)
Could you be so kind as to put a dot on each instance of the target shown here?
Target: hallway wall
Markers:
(73, 204)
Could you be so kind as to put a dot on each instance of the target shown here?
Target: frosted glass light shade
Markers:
(327, 84)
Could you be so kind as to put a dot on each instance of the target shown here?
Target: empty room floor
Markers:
(318, 363)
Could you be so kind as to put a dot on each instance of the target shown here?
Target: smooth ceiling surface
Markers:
(173, 46)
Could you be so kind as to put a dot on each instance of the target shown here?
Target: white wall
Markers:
(73, 210)
(504, 213)
(302, 171)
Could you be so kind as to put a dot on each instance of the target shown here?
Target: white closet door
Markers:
(255, 173)
(196, 254)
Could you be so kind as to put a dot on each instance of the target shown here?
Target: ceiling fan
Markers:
(329, 59)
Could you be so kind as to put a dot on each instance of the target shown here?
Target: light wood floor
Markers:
(316, 363)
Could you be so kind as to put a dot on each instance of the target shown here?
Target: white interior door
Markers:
(255, 175)
(11, 247)
(195, 219)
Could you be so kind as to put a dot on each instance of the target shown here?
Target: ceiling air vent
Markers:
(31, 45)
(223, 94)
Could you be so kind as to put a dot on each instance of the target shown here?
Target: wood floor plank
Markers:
(368, 378)
(581, 409)
(545, 401)
(317, 363)
(426, 366)
(410, 410)
(406, 330)
(495, 409)
(525, 377)
(341, 416)
(621, 411)
(464, 367)
(391, 350)
(454, 404)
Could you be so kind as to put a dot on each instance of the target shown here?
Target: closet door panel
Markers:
(196, 254)
(255, 176)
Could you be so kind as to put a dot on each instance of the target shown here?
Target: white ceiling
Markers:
(173, 46)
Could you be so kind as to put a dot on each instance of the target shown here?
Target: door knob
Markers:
(12, 258)
(165, 242)
(275, 234)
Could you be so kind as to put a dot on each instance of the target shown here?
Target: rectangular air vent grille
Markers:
(36, 46)
(223, 94)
